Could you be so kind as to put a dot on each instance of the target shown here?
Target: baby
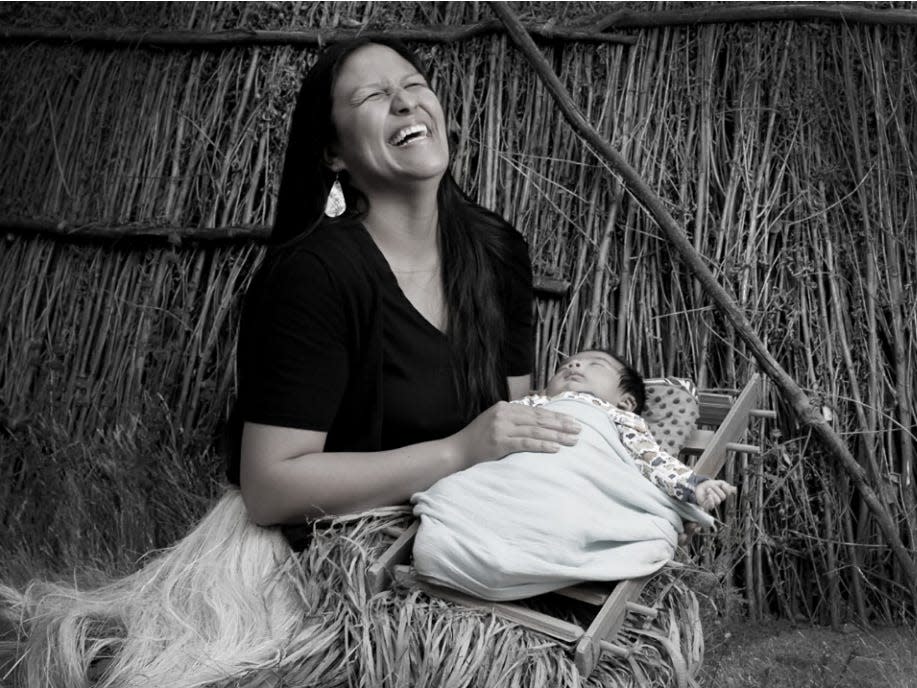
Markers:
(610, 507)
(603, 378)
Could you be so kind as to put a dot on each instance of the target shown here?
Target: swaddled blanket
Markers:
(534, 522)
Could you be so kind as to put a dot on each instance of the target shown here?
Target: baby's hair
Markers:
(631, 379)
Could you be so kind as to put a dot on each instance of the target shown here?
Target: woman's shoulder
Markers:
(334, 242)
(331, 240)
(333, 252)
(513, 245)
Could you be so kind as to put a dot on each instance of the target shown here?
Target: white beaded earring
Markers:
(335, 205)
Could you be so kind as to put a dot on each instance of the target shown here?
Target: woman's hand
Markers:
(505, 428)
(711, 493)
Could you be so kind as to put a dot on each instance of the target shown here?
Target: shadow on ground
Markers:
(776, 654)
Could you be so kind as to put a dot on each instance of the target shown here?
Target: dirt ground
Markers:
(776, 654)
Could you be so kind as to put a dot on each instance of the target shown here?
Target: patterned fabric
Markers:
(671, 411)
(657, 465)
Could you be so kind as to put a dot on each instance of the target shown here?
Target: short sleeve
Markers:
(518, 297)
(293, 358)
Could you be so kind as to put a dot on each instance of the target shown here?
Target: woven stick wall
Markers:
(786, 148)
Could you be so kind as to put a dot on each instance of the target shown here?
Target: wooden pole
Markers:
(795, 396)
(765, 12)
(592, 29)
(241, 38)
(138, 233)
(97, 231)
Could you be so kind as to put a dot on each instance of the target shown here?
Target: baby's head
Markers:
(604, 374)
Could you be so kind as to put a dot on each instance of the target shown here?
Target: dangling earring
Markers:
(335, 205)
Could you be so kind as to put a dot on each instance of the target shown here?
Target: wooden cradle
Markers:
(722, 421)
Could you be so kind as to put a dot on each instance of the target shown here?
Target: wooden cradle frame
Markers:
(722, 421)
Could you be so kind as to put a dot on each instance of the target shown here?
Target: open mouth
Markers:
(407, 135)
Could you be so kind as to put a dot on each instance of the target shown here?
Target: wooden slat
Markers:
(590, 593)
(379, 575)
(537, 621)
(713, 408)
(643, 610)
(697, 442)
(732, 427)
(606, 624)
(746, 448)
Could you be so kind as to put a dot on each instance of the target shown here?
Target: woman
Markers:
(373, 354)
(375, 346)
(374, 351)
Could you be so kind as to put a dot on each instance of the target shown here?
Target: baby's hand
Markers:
(711, 493)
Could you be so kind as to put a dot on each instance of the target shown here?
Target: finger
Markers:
(530, 444)
(717, 488)
(536, 432)
(727, 488)
(550, 420)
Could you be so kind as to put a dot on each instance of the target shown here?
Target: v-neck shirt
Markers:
(419, 398)
(329, 342)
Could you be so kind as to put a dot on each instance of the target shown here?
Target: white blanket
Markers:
(533, 522)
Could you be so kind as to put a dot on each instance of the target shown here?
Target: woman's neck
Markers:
(405, 229)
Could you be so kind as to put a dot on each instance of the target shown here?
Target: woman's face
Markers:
(390, 125)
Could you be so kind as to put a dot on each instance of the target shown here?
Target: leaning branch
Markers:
(797, 398)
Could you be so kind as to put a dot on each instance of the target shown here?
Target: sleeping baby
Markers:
(608, 508)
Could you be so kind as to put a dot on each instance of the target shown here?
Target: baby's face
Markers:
(590, 371)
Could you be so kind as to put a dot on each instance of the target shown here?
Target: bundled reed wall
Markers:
(786, 149)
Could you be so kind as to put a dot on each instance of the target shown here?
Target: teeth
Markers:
(402, 135)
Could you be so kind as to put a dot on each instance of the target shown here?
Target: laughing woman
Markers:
(388, 322)
(376, 345)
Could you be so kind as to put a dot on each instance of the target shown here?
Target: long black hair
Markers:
(473, 241)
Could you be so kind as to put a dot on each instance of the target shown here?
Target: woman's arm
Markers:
(286, 477)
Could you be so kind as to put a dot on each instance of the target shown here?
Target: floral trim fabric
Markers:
(657, 465)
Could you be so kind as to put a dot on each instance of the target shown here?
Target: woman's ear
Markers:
(627, 402)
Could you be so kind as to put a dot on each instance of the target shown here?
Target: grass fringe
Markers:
(228, 606)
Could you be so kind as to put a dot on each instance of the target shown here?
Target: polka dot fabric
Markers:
(671, 411)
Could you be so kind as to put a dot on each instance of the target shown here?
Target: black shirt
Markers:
(329, 342)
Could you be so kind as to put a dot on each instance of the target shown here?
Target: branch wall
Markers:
(787, 150)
